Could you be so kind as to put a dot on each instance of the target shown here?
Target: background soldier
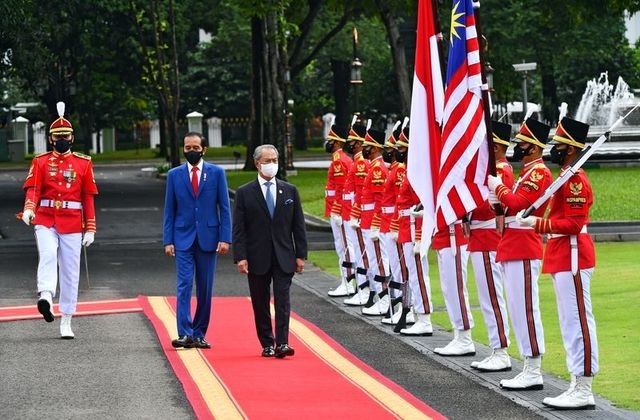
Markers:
(520, 251)
(353, 190)
(59, 190)
(570, 258)
(371, 207)
(397, 173)
(483, 244)
(334, 189)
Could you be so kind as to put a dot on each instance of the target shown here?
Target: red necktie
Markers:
(194, 179)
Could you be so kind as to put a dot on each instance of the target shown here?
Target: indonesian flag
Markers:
(427, 104)
(465, 156)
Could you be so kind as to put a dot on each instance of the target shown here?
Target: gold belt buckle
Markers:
(57, 204)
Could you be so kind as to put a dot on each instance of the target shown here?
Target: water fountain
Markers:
(601, 105)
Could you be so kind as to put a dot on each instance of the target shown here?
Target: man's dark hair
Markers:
(203, 139)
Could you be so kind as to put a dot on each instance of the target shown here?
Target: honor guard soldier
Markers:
(520, 251)
(371, 208)
(417, 292)
(334, 189)
(450, 245)
(353, 190)
(60, 190)
(570, 259)
(483, 244)
(397, 173)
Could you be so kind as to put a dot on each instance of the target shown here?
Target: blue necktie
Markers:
(269, 198)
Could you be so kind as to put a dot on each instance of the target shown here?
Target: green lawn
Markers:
(615, 292)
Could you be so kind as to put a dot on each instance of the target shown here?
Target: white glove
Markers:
(393, 235)
(417, 213)
(27, 216)
(526, 221)
(355, 223)
(493, 199)
(493, 182)
(416, 247)
(88, 238)
(337, 219)
(374, 234)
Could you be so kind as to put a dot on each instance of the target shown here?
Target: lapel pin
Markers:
(279, 191)
(204, 176)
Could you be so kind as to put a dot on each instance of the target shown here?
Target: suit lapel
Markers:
(259, 197)
(186, 177)
(279, 198)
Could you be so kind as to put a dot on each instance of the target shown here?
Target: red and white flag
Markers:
(427, 104)
(464, 157)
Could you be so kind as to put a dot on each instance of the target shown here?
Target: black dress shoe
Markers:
(45, 309)
(268, 351)
(201, 343)
(283, 350)
(183, 341)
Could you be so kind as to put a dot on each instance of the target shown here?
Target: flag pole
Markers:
(499, 211)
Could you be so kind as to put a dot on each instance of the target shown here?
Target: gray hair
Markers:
(257, 153)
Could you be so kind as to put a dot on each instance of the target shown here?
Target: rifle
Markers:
(571, 170)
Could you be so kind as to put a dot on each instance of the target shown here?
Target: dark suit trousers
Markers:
(260, 290)
(203, 265)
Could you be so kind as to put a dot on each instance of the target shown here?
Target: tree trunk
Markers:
(163, 133)
(398, 55)
(256, 134)
(275, 83)
(341, 85)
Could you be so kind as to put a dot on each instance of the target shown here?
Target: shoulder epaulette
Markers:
(82, 155)
(43, 154)
(336, 155)
(540, 166)
(501, 164)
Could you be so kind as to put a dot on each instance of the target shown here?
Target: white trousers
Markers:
(394, 257)
(378, 260)
(577, 324)
(490, 285)
(361, 263)
(453, 281)
(344, 248)
(521, 287)
(59, 257)
(419, 282)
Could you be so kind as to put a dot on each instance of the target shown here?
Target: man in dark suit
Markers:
(197, 227)
(269, 243)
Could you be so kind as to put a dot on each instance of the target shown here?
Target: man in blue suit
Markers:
(197, 227)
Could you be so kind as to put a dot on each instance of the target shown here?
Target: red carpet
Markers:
(100, 307)
(232, 380)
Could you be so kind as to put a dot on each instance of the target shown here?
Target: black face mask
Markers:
(519, 153)
(388, 156)
(349, 147)
(401, 156)
(62, 146)
(366, 153)
(193, 157)
(557, 155)
(328, 146)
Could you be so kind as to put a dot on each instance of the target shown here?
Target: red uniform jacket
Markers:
(442, 240)
(397, 173)
(336, 177)
(523, 244)
(486, 239)
(357, 174)
(62, 180)
(568, 214)
(407, 198)
(372, 190)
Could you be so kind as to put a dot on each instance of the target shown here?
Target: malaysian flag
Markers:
(464, 156)
(427, 104)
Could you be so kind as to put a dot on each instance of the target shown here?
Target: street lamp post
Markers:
(288, 104)
(356, 71)
(524, 68)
